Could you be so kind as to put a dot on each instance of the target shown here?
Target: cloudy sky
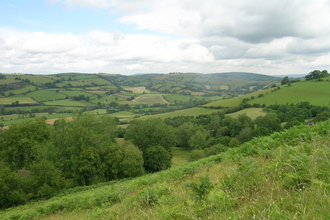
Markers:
(274, 37)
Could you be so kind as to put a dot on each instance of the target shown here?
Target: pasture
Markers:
(140, 89)
(12, 119)
(45, 95)
(253, 113)
(236, 101)
(74, 93)
(180, 156)
(21, 98)
(185, 112)
(22, 90)
(68, 102)
(317, 93)
(40, 79)
(150, 99)
(9, 79)
(98, 81)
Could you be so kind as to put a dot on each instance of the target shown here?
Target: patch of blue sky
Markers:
(34, 15)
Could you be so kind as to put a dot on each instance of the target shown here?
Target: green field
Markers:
(180, 156)
(22, 90)
(84, 76)
(45, 95)
(237, 100)
(68, 102)
(74, 93)
(185, 112)
(12, 119)
(149, 99)
(98, 81)
(20, 98)
(9, 79)
(253, 113)
(317, 93)
(40, 79)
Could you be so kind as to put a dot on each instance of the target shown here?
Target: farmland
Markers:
(185, 112)
(45, 95)
(106, 93)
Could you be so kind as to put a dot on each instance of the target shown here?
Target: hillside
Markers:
(315, 92)
(282, 176)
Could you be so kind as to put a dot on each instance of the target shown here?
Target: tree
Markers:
(122, 161)
(192, 136)
(233, 143)
(150, 132)
(196, 155)
(20, 146)
(285, 80)
(149, 136)
(198, 140)
(11, 192)
(156, 158)
(215, 149)
(45, 179)
(77, 146)
(269, 121)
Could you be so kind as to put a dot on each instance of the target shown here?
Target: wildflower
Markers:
(310, 123)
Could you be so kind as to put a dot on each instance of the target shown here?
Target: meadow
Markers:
(22, 90)
(317, 93)
(185, 112)
(149, 99)
(45, 95)
(74, 93)
(140, 89)
(20, 98)
(253, 113)
(68, 102)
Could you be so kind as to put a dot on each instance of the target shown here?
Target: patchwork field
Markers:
(185, 112)
(150, 99)
(20, 91)
(68, 102)
(45, 95)
(253, 113)
(20, 98)
(141, 89)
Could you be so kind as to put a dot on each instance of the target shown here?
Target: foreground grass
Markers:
(283, 176)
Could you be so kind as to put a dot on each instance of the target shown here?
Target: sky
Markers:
(273, 37)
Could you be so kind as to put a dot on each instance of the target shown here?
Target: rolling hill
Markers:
(23, 96)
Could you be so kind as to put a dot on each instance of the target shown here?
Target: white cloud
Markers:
(210, 36)
(96, 51)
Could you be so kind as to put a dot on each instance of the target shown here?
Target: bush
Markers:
(196, 155)
(156, 158)
(215, 149)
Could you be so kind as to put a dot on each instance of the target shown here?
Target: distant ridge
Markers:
(246, 76)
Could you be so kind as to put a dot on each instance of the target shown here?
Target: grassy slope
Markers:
(253, 113)
(283, 176)
(317, 93)
(20, 98)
